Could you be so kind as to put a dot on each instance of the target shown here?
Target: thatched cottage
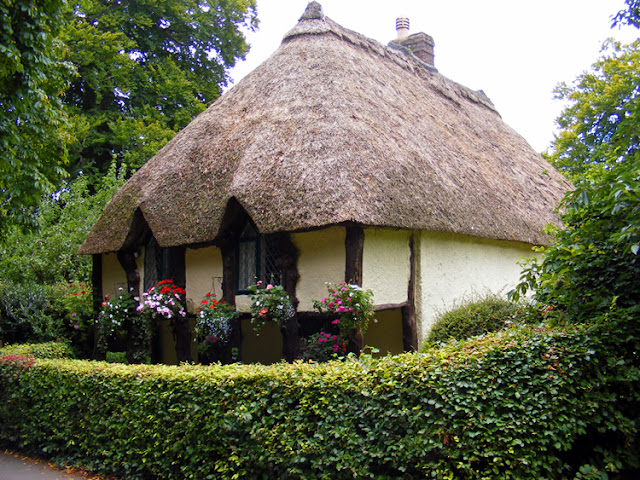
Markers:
(336, 159)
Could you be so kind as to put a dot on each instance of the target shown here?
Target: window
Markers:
(257, 259)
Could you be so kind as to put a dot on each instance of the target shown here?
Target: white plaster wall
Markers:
(203, 271)
(456, 268)
(113, 275)
(321, 258)
(386, 265)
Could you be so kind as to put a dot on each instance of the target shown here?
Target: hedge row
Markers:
(39, 350)
(526, 403)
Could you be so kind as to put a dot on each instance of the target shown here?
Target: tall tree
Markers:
(33, 75)
(630, 15)
(146, 68)
(600, 127)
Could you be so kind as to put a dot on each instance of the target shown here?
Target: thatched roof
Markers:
(335, 127)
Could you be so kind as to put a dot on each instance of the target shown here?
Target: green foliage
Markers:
(352, 306)
(594, 264)
(47, 350)
(599, 127)
(33, 136)
(49, 256)
(213, 327)
(116, 357)
(525, 403)
(26, 314)
(145, 70)
(270, 303)
(473, 318)
(72, 304)
(322, 347)
(120, 321)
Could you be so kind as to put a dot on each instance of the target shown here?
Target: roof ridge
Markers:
(314, 22)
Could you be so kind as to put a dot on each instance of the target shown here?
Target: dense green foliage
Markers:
(599, 127)
(30, 312)
(50, 350)
(526, 403)
(145, 70)
(33, 76)
(595, 263)
(474, 318)
(49, 255)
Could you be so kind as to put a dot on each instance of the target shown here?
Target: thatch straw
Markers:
(334, 128)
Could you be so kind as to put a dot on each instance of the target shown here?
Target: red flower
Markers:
(204, 302)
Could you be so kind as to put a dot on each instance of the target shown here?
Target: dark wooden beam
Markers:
(287, 263)
(98, 294)
(128, 262)
(409, 327)
(354, 247)
(229, 264)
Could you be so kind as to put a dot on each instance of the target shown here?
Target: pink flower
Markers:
(263, 312)
(335, 322)
(269, 287)
(324, 300)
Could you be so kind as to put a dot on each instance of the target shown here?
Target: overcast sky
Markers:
(516, 51)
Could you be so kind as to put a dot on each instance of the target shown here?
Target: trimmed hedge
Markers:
(39, 350)
(526, 403)
(478, 317)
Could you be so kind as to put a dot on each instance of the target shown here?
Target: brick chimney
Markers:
(420, 44)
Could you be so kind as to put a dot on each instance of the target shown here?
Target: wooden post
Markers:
(173, 268)
(128, 262)
(354, 248)
(287, 263)
(229, 263)
(96, 280)
(409, 327)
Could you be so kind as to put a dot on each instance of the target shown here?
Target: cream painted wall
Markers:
(386, 264)
(113, 275)
(456, 268)
(203, 271)
(321, 259)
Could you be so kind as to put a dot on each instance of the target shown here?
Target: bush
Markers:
(26, 315)
(49, 350)
(474, 318)
(594, 264)
(526, 403)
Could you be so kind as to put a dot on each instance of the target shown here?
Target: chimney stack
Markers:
(420, 44)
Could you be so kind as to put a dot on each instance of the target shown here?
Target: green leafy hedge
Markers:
(39, 350)
(526, 403)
